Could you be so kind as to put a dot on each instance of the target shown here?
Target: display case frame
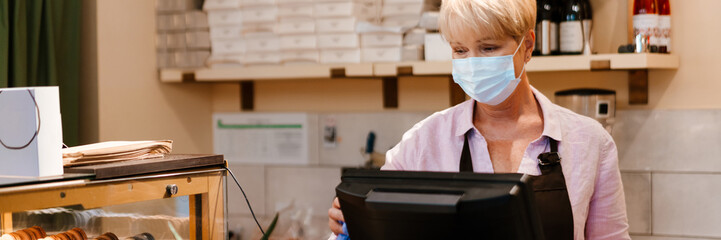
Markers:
(204, 187)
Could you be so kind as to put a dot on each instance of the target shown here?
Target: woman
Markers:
(508, 123)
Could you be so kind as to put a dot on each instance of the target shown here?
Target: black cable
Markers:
(246, 200)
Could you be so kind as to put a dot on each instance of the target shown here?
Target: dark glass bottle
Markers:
(546, 27)
(571, 28)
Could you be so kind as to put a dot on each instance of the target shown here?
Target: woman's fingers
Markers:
(335, 227)
(335, 214)
(336, 203)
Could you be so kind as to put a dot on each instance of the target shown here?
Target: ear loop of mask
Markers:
(524, 61)
(35, 135)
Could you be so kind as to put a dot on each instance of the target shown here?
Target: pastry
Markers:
(74, 235)
(24, 235)
(63, 236)
(15, 236)
(81, 232)
(112, 236)
(6, 237)
(40, 230)
(33, 232)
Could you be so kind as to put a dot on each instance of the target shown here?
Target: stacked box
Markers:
(225, 20)
(336, 21)
(296, 29)
(183, 39)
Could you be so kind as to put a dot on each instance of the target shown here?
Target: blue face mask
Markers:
(488, 80)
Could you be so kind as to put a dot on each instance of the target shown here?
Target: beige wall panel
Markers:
(423, 93)
(226, 97)
(609, 26)
(320, 95)
(686, 205)
(133, 104)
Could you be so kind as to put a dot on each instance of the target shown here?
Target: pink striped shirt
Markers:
(589, 160)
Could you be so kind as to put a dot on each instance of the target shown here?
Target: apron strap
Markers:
(466, 161)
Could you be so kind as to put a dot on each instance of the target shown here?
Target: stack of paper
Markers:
(115, 151)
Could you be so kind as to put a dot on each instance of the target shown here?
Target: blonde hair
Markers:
(499, 18)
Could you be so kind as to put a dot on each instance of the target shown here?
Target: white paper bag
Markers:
(30, 132)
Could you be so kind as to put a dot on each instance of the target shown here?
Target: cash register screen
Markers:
(433, 205)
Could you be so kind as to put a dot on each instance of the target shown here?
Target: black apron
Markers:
(552, 202)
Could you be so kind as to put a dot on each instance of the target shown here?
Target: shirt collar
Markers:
(551, 126)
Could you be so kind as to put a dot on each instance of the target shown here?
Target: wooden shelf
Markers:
(596, 62)
(637, 66)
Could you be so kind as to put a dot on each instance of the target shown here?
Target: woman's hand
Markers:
(335, 215)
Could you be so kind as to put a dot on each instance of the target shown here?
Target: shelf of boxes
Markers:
(598, 62)
(308, 39)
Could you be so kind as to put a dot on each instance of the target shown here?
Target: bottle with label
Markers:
(571, 28)
(645, 20)
(546, 27)
(587, 20)
(664, 26)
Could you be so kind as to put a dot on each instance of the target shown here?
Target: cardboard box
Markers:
(165, 6)
(285, 2)
(429, 20)
(298, 42)
(260, 14)
(338, 40)
(336, 9)
(220, 4)
(262, 42)
(295, 10)
(405, 21)
(261, 58)
(198, 39)
(437, 49)
(295, 26)
(340, 56)
(335, 25)
(412, 53)
(381, 54)
(259, 27)
(393, 9)
(232, 17)
(416, 36)
(228, 47)
(30, 132)
(248, 3)
(196, 20)
(176, 40)
(177, 22)
(226, 32)
(381, 39)
(304, 56)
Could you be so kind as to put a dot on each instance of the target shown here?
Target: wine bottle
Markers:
(557, 5)
(571, 28)
(587, 20)
(664, 26)
(645, 19)
(546, 32)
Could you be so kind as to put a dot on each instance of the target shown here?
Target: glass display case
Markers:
(187, 204)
